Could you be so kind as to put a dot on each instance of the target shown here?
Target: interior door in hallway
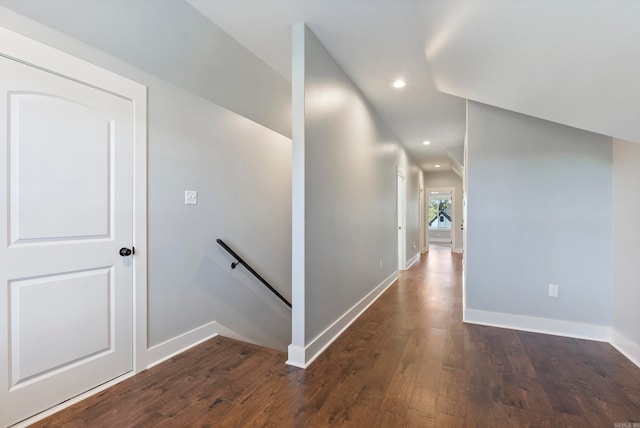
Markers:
(402, 233)
(66, 150)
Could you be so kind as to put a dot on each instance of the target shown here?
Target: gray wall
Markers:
(449, 179)
(347, 159)
(551, 223)
(242, 172)
(626, 237)
(440, 236)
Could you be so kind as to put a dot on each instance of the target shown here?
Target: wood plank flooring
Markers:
(407, 361)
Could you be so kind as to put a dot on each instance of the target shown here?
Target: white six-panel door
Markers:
(66, 192)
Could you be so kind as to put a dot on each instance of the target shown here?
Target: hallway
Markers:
(407, 361)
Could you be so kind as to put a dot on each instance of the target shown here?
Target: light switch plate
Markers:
(190, 197)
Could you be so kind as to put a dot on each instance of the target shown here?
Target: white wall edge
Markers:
(174, 346)
(626, 346)
(55, 409)
(413, 260)
(303, 357)
(298, 197)
(554, 327)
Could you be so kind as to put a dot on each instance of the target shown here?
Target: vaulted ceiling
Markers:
(574, 62)
(375, 42)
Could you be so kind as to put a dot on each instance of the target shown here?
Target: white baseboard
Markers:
(303, 357)
(626, 346)
(577, 330)
(155, 355)
(174, 346)
(227, 332)
(447, 240)
(412, 261)
(457, 250)
(296, 357)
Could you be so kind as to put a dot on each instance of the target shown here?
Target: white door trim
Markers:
(39, 55)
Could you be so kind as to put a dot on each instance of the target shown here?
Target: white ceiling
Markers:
(574, 62)
(375, 42)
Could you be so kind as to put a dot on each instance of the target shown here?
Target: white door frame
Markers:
(20, 48)
(453, 211)
(401, 223)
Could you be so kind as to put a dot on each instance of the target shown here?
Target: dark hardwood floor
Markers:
(408, 361)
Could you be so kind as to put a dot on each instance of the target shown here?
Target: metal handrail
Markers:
(240, 260)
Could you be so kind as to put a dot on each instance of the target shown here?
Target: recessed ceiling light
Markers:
(437, 166)
(399, 84)
(426, 142)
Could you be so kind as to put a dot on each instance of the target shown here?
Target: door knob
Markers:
(124, 252)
